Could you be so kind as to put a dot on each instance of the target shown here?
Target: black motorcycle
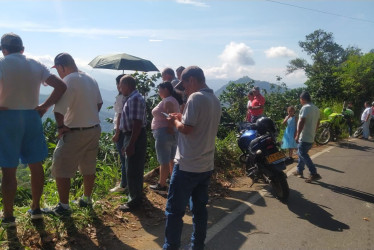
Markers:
(262, 157)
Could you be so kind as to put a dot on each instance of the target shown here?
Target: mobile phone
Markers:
(165, 114)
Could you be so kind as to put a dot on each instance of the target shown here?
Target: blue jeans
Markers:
(185, 186)
(119, 146)
(304, 158)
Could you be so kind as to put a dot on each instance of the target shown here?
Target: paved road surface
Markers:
(336, 212)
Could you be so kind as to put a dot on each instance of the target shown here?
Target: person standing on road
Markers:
(133, 122)
(77, 117)
(194, 160)
(288, 140)
(306, 130)
(119, 136)
(257, 105)
(365, 119)
(21, 130)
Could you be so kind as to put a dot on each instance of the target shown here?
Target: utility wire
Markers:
(321, 11)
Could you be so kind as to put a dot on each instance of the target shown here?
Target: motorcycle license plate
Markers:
(275, 157)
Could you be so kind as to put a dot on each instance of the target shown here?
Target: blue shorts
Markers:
(21, 137)
(165, 144)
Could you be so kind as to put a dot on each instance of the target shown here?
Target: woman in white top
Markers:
(165, 135)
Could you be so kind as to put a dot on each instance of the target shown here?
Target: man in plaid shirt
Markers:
(133, 122)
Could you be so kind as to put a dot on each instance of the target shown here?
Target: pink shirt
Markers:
(159, 120)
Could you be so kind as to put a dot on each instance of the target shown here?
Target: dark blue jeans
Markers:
(135, 168)
(304, 158)
(185, 186)
(119, 146)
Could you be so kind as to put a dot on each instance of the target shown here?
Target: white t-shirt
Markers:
(365, 114)
(311, 114)
(79, 102)
(118, 106)
(195, 152)
(20, 80)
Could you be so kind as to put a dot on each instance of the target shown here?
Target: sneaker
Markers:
(85, 202)
(158, 187)
(35, 214)
(117, 189)
(313, 177)
(8, 222)
(59, 210)
(298, 174)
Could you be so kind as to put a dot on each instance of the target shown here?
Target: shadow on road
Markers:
(350, 192)
(329, 168)
(353, 145)
(243, 230)
(313, 213)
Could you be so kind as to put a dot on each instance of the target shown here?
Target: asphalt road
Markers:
(336, 212)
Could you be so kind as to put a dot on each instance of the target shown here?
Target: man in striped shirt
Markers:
(133, 122)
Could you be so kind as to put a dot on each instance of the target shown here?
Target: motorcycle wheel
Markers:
(323, 135)
(280, 187)
(357, 133)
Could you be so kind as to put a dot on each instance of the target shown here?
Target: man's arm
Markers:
(61, 128)
(59, 88)
(300, 127)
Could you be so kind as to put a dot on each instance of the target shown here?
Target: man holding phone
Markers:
(194, 160)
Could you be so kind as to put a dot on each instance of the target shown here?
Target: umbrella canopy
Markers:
(122, 62)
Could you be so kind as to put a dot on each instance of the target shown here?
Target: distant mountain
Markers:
(264, 85)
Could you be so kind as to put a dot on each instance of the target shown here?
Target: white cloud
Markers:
(155, 40)
(236, 61)
(193, 2)
(280, 51)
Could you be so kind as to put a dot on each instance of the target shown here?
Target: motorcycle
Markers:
(262, 157)
(332, 128)
(358, 133)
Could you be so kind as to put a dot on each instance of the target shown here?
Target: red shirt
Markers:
(258, 101)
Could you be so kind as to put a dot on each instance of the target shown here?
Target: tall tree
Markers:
(326, 56)
(357, 78)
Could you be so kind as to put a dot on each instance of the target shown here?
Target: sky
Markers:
(227, 39)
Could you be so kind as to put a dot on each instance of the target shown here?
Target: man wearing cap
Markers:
(77, 117)
(257, 105)
(194, 160)
(21, 131)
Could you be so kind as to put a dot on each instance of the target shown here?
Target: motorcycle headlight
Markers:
(258, 152)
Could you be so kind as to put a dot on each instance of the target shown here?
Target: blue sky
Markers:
(228, 39)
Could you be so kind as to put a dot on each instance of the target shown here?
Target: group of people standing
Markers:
(185, 124)
(77, 102)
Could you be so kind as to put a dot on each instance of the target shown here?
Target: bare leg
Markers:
(37, 183)
(164, 174)
(290, 152)
(9, 189)
(88, 184)
(63, 188)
